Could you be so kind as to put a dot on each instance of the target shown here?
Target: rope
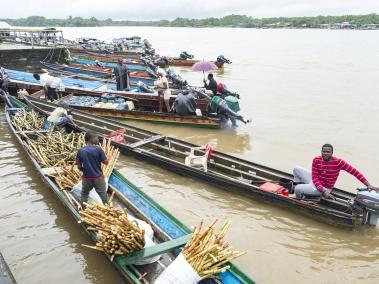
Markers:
(47, 55)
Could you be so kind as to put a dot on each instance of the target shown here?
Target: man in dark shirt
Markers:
(89, 159)
(212, 85)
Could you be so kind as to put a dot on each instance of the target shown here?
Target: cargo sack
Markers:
(178, 272)
(149, 235)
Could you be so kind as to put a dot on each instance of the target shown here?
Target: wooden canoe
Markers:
(229, 172)
(96, 72)
(146, 116)
(25, 80)
(169, 232)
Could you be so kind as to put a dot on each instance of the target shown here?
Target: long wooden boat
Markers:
(138, 114)
(190, 62)
(132, 67)
(149, 101)
(169, 233)
(95, 52)
(229, 172)
(97, 72)
(6, 276)
(130, 59)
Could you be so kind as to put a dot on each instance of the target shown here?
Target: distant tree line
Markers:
(227, 21)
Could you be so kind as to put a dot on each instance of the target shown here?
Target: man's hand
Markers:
(370, 187)
(327, 194)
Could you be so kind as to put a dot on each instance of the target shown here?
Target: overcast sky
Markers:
(170, 9)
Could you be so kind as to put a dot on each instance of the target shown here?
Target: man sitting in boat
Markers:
(325, 171)
(59, 117)
(89, 159)
(51, 85)
(121, 73)
(212, 85)
(185, 104)
(4, 80)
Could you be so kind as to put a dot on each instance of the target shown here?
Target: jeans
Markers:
(64, 120)
(4, 85)
(52, 94)
(306, 188)
(100, 187)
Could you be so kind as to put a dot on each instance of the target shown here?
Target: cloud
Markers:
(170, 9)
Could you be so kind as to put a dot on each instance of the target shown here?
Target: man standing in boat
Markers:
(164, 92)
(121, 73)
(4, 80)
(89, 159)
(325, 171)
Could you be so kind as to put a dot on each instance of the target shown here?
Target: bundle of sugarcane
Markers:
(67, 176)
(112, 155)
(25, 120)
(209, 253)
(55, 147)
(116, 235)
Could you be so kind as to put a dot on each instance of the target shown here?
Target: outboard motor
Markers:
(150, 51)
(367, 203)
(144, 88)
(222, 60)
(149, 63)
(184, 55)
(224, 91)
(147, 44)
(221, 107)
(176, 79)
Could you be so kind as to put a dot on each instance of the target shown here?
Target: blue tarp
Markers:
(68, 82)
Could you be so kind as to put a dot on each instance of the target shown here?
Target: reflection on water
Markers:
(301, 88)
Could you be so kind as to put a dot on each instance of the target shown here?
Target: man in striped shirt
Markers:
(325, 171)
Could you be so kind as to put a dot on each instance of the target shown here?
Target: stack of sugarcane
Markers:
(56, 147)
(25, 120)
(116, 235)
(208, 253)
(67, 177)
(112, 156)
(71, 175)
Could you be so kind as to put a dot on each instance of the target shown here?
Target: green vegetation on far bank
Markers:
(353, 21)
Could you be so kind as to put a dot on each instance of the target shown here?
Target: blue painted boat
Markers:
(101, 74)
(169, 231)
(109, 64)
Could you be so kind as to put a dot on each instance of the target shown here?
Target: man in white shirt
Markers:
(51, 85)
(59, 117)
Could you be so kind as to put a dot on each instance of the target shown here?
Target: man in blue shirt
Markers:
(89, 159)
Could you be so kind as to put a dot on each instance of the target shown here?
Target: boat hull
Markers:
(327, 211)
(142, 206)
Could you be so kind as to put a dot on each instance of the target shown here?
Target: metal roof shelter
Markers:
(34, 37)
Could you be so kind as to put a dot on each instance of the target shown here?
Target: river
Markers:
(301, 88)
